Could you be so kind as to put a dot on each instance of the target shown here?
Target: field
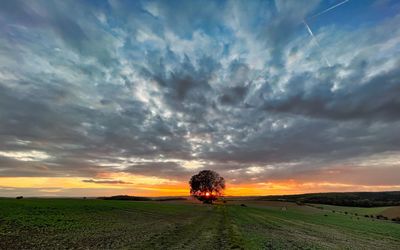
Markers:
(105, 224)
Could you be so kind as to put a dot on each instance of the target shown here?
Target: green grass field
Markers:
(358, 210)
(100, 224)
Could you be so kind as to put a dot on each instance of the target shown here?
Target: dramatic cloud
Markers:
(109, 92)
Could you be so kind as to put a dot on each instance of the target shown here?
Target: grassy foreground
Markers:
(100, 224)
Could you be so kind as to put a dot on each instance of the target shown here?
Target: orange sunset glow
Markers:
(155, 187)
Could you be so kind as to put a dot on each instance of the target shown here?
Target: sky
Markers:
(134, 97)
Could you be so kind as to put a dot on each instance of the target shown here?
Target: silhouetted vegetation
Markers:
(381, 217)
(207, 186)
(19, 197)
(397, 219)
(356, 199)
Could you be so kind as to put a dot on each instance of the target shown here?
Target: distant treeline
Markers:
(138, 198)
(353, 199)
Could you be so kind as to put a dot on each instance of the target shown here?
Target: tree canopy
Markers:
(207, 186)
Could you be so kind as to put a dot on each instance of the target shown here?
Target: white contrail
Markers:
(329, 9)
(316, 42)
(312, 34)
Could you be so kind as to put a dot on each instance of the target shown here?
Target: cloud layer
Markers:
(163, 89)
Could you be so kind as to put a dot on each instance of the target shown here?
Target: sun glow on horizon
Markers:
(154, 186)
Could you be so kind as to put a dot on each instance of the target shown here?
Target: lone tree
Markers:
(207, 186)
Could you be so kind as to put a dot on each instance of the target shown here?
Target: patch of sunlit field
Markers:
(108, 224)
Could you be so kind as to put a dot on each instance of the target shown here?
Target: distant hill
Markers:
(125, 198)
(139, 198)
(353, 199)
(170, 199)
